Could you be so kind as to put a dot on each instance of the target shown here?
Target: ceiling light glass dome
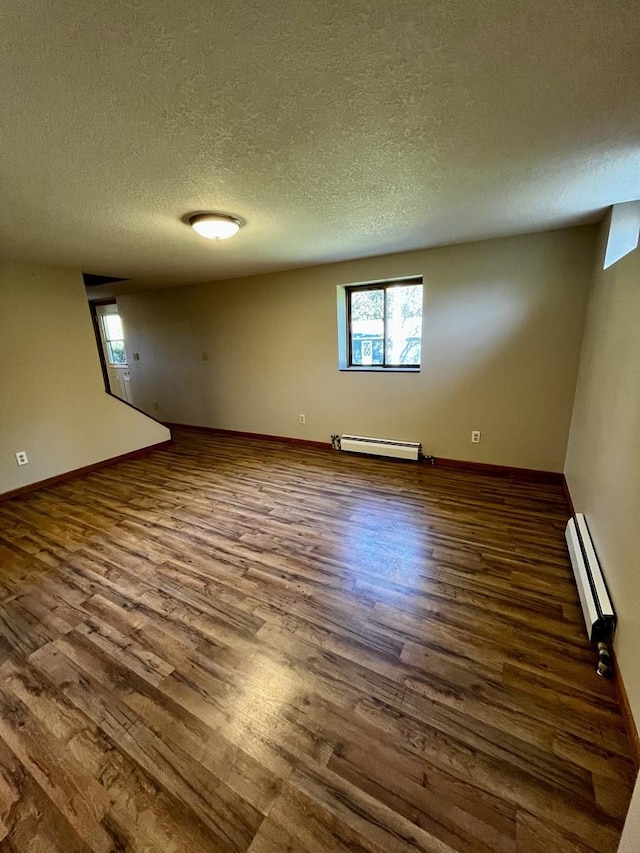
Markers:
(215, 226)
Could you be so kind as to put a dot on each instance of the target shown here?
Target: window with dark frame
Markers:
(384, 324)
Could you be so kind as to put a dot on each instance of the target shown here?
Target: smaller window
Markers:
(384, 325)
(114, 339)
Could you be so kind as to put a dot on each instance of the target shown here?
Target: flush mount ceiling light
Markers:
(215, 226)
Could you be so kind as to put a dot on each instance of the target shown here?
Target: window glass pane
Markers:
(116, 352)
(367, 327)
(112, 327)
(404, 324)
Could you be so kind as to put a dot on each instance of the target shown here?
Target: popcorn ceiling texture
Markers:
(336, 129)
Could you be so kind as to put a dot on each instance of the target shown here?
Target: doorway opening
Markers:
(111, 345)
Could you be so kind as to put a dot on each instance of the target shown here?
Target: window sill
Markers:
(379, 369)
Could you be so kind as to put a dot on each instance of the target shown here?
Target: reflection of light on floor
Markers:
(383, 543)
(265, 689)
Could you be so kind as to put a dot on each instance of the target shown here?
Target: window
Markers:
(114, 339)
(383, 325)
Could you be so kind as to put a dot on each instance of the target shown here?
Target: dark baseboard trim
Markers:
(479, 467)
(81, 472)
(233, 433)
(501, 470)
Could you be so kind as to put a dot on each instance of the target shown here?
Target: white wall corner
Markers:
(624, 229)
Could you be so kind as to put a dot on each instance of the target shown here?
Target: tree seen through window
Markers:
(385, 325)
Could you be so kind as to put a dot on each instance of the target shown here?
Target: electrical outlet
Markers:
(21, 457)
(205, 356)
(302, 419)
(475, 436)
(136, 356)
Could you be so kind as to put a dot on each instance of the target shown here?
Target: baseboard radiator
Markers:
(598, 612)
(378, 446)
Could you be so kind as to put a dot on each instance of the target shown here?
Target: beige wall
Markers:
(603, 458)
(168, 380)
(52, 398)
(502, 331)
(630, 841)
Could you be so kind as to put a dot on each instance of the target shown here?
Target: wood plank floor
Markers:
(235, 645)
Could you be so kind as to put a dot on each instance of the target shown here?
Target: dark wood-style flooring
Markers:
(235, 645)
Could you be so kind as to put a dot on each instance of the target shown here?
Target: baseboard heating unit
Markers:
(380, 446)
(598, 612)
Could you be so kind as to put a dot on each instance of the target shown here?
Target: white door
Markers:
(115, 356)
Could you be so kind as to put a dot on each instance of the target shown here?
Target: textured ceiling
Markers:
(335, 129)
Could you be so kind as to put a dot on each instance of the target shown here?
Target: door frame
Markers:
(95, 320)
